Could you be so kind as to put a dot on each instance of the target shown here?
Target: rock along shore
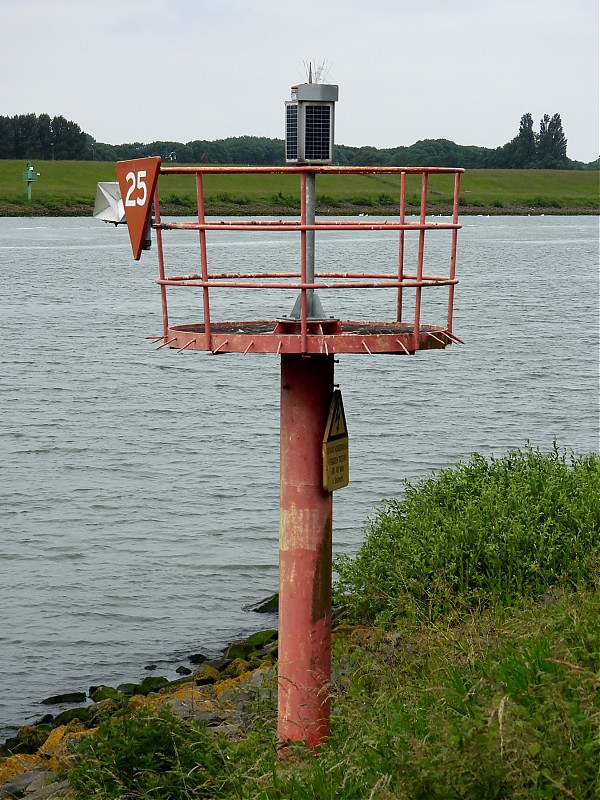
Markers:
(217, 692)
(220, 693)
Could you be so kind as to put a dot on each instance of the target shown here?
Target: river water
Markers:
(139, 488)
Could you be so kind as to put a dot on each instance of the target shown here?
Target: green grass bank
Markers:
(67, 188)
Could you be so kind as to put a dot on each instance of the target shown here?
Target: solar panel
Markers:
(317, 133)
(291, 131)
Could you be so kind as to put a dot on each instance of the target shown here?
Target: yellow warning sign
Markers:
(336, 461)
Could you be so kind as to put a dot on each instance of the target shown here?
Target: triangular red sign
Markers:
(137, 182)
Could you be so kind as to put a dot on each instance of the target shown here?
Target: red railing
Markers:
(399, 279)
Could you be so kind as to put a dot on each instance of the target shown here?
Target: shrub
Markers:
(545, 202)
(362, 200)
(328, 201)
(480, 533)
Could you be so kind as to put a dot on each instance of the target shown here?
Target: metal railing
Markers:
(305, 281)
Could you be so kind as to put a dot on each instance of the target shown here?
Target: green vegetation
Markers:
(29, 136)
(151, 756)
(487, 689)
(483, 533)
(68, 188)
(524, 191)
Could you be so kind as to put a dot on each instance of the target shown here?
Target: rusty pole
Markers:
(304, 552)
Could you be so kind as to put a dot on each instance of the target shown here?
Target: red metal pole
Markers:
(304, 552)
(455, 207)
(161, 265)
(423, 217)
(203, 258)
(303, 249)
(402, 220)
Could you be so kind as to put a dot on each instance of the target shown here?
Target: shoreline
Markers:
(56, 708)
(81, 210)
(218, 692)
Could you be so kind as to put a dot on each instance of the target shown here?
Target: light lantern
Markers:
(309, 124)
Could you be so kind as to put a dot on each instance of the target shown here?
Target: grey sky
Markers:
(466, 70)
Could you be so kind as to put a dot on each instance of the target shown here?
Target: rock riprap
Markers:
(219, 694)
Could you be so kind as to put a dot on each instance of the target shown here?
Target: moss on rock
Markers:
(238, 667)
(206, 674)
(28, 739)
(100, 693)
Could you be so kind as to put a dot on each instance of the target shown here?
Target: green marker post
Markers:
(30, 175)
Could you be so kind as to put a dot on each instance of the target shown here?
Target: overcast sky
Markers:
(144, 70)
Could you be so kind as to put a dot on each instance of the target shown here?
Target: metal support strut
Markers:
(314, 309)
(304, 552)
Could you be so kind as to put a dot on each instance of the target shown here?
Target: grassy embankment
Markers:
(473, 638)
(68, 188)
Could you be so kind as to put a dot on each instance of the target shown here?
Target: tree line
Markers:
(29, 136)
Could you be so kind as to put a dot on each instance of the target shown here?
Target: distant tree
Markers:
(170, 151)
(434, 153)
(69, 139)
(104, 152)
(502, 157)
(525, 144)
(369, 156)
(397, 157)
(6, 138)
(543, 142)
(471, 156)
(551, 151)
(134, 150)
(198, 151)
(45, 137)
(520, 152)
(25, 140)
(558, 139)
